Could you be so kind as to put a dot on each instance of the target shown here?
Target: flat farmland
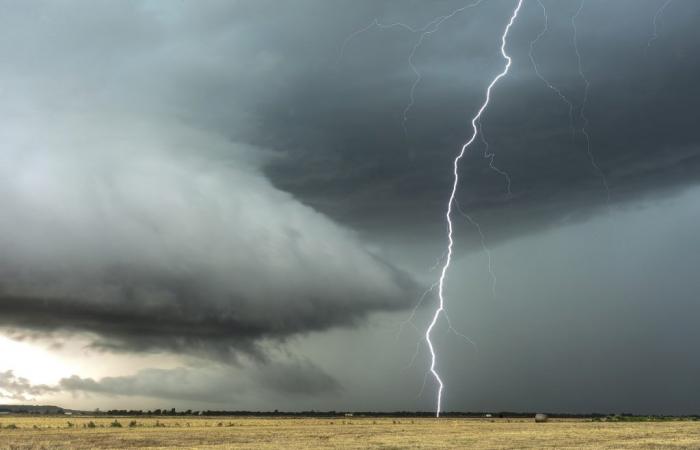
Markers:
(61, 432)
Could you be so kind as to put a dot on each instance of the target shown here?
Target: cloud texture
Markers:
(128, 233)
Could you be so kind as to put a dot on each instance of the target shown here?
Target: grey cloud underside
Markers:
(210, 384)
(188, 324)
(345, 123)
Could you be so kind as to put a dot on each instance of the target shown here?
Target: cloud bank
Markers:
(213, 384)
(128, 233)
(18, 388)
(208, 383)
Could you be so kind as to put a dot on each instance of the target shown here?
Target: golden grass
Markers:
(53, 432)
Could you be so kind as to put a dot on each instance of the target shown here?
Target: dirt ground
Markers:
(21, 432)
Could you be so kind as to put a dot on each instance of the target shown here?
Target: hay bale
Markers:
(541, 418)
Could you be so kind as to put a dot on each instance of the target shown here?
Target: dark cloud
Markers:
(210, 384)
(298, 378)
(345, 121)
(273, 75)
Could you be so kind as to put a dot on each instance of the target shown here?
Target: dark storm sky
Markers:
(231, 181)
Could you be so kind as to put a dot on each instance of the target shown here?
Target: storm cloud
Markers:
(274, 76)
(226, 179)
(640, 114)
(148, 246)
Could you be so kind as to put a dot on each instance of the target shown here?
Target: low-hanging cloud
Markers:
(208, 383)
(127, 232)
(14, 387)
(214, 384)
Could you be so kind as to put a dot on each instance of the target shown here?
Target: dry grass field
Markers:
(21, 432)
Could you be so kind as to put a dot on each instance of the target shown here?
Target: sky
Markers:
(240, 205)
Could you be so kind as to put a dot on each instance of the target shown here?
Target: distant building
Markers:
(349, 414)
(541, 418)
(488, 416)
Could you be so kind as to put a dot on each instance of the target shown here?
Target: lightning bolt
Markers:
(409, 320)
(484, 247)
(654, 21)
(582, 111)
(556, 90)
(448, 214)
(425, 32)
(428, 29)
(418, 77)
(491, 156)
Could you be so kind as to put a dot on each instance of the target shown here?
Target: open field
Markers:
(36, 432)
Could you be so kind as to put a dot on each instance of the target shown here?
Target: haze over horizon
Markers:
(215, 205)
